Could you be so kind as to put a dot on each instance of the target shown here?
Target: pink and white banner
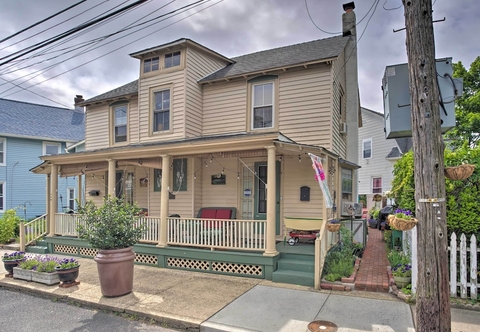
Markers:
(321, 178)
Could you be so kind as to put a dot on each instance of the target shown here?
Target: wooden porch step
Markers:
(37, 249)
(294, 277)
(296, 265)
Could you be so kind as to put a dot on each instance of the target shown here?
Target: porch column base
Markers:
(162, 245)
(270, 253)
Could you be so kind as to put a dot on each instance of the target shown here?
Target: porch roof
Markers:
(147, 154)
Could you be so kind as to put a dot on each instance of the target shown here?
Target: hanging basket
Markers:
(333, 227)
(403, 224)
(460, 172)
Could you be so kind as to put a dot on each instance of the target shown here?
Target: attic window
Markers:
(172, 59)
(150, 64)
(51, 148)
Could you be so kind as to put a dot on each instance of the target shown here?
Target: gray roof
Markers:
(282, 57)
(404, 143)
(395, 153)
(40, 121)
(124, 90)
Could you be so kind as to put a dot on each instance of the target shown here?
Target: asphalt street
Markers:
(21, 312)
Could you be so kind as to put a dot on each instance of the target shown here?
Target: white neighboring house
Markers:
(376, 156)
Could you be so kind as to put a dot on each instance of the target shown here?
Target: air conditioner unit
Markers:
(352, 209)
(343, 128)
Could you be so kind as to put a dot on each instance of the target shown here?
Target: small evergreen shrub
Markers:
(8, 225)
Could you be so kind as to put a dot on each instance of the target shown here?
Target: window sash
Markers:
(151, 64)
(2, 196)
(71, 198)
(367, 149)
(51, 149)
(161, 113)
(377, 185)
(172, 59)
(2, 151)
(346, 181)
(262, 109)
(120, 123)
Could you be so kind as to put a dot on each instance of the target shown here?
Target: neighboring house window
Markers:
(51, 149)
(129, 184)
(347, 184)
(151, 64)
(172, 59)
(120, 123)
(2, 196)
(262, 110)
(161, 111)
(71, 198)
(367, 148)
(3, 154)
(377, 185)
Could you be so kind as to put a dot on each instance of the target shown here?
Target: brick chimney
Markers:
(78, 99)
(349, 20)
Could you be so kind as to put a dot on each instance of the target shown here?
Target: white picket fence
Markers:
(466, 277)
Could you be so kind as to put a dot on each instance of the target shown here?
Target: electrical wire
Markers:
(311, 19)
(125, 45)
(391, 8)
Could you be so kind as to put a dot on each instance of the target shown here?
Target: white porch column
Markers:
(79, 189)
(111, 178)
(271, 202)
(47, 201)
(53, 198)
(162, 236)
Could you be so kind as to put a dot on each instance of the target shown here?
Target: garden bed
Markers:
(346, 284)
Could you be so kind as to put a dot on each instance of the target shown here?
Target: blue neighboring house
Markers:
(28, 131)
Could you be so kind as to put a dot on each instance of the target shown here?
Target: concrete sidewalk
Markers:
(206, 302)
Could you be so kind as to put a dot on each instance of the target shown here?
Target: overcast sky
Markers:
(230, 27)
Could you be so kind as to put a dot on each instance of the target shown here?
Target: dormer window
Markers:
(172, 59)
(151, 64)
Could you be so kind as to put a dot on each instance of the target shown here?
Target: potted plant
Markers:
(402, 274)
(68, 270)
(24, 269)
(402, 220)
(44, 271)
(333, 225)
(113, 229)
(11, 260)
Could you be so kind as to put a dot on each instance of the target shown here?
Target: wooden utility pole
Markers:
(433, 301)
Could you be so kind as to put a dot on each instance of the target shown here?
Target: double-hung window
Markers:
(151, 64)
(71, 198)
(172, 59)
(3, 154)
(367, 148)
(120, 123)
(51, 149)
(262, 105)
(161, 110)
(376, 185)
(2, 196)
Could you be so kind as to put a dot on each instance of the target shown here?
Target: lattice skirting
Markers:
(90, 252)
(216, 267)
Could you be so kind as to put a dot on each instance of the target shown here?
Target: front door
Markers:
(260, 201)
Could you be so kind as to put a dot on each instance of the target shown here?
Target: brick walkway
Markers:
(372, 274)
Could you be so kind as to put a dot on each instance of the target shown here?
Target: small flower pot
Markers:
(333, 227)
(23, 274)
(45, 278)
(402, 281)
(68, 276)
(9, 265)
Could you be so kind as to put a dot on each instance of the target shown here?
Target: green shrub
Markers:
(343, 268)
(341, 262)
(8, 225)
(110, 226)
(333, 277)
(397, 258)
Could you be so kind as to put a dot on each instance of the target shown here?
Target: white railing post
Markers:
(453, 265)
(22, 236)
(463, 266)
(473, 268)
(414, 259)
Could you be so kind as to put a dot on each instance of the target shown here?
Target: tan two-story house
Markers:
(199, 132)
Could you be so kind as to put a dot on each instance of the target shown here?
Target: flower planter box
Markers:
(19, 273)
(45, 278)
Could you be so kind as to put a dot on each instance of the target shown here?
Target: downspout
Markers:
(11, 184)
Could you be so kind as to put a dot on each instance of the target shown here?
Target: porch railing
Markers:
(218, 233)
(191, 232)
(32, 231)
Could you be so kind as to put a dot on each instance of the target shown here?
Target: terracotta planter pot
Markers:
(115, 271)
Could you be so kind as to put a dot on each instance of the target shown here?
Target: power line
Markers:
(40, 22)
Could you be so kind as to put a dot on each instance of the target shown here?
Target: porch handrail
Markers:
(32, 231)
(217, 233)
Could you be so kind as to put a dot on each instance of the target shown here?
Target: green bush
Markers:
(341, 262)
(8, 225)
(110, 226)
(333, 277)
(398, 258)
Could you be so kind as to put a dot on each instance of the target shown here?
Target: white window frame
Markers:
(148, 64)
(69, 190)
(381, 182)
(114, 107)
(3, 161)
(155, 110)
(367, 140)
(2, 195)
(171, 63)
(59, 145)
(252, 114)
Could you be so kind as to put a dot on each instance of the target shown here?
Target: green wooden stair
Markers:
(40, 247)
(295, 269)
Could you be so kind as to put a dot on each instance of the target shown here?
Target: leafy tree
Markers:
(467, 107)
